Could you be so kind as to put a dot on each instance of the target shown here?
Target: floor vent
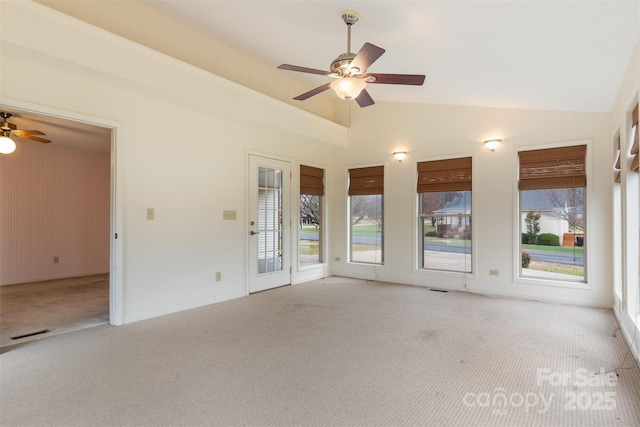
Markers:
(19, 337)
(438, 290)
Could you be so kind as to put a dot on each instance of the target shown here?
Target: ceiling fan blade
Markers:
(364, 99)
(303, 69)
(395, 79)
(20, 132)
(312, 92)
(34, 138)
(367, 55)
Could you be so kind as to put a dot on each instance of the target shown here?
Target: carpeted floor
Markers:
(333, 352)
(57, 306)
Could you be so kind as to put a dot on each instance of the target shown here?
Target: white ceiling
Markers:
(551, 55)
(61, 132)
(541, 54)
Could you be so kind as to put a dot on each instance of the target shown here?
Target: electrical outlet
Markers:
(218, 276)
(494, 272)
(150, 214)
(56, 259)
(338, 259)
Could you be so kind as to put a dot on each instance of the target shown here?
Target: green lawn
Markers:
(556, 249)
(309, 247)
(366, 229)
(573, 270)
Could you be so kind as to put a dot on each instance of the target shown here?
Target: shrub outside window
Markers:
(553, 238)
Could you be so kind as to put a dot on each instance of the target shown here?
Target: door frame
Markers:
(116, 214)
(248, 201)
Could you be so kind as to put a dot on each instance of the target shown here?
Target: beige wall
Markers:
(431, 132)
(182, 136)
(182, 140)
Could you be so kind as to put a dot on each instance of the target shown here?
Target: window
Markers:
(366, 187)
(444, 214)
(310, 227)
(617, 224)
(632, 287)
(552, 184)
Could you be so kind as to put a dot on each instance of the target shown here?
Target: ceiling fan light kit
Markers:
(348, 87)
(7, 145)
(350, 70)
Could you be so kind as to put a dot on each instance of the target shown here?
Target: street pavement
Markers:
(542, 256)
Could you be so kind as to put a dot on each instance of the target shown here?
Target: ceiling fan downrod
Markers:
(349, 17)
(340, 65)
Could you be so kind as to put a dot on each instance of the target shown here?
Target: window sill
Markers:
(528, 280)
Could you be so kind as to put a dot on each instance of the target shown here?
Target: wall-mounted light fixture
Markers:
(492, 144)
(7, 145)
(400, 155)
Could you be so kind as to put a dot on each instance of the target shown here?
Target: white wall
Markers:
(431, 132)
(625, 211)
(182, 138)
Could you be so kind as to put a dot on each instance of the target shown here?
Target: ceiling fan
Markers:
(7, 145)
(350, 71)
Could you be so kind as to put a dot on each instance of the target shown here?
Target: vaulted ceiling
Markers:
(549, 55)
(552, 55)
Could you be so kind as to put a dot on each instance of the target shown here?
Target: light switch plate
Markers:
(150, 214)
(229, 215)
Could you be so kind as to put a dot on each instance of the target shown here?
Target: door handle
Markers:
(254, 232)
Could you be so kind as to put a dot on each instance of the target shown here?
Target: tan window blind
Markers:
(366, 181)
(635, 147)
(311, 181)
(562, 167)
(444, 175)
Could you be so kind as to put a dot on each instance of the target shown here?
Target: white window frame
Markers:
(348, 215)
(517, 258)
(417, 256)
(323, 222)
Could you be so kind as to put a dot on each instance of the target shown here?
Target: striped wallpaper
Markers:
(54, 202)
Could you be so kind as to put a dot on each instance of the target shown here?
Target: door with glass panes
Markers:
(269, 223)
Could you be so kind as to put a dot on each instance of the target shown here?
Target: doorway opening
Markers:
(57, 219)
(269, 223)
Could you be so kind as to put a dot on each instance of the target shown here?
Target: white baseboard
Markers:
(55, 277)
(180, 307)
(630, 332)
(310, 273)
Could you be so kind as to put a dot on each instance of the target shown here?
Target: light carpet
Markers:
(59, 306)
(333, 352)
